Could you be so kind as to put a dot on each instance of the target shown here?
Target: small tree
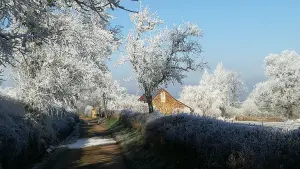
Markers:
(229, 83)
(216, 92)
(161, 56)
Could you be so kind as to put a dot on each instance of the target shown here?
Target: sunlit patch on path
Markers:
(88, 142)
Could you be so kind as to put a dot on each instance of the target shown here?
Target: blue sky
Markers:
(239, 33)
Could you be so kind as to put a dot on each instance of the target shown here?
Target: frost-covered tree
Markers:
(161, 56)
(62, 71)
(108, 95)
(23, 22)
(216, 92)
(280, 93)
(250, 106)
(128, 102)
(229, 83)
(202, 99)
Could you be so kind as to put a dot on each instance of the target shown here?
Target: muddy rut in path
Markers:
(106, 156)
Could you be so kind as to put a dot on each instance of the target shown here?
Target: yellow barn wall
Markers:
(169, 106)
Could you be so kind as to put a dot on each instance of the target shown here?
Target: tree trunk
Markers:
(149, 101)
(99, 114)
(100, 111)
(223, 111)
(289, 112)
(104, 105)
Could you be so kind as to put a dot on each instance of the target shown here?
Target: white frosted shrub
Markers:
(25, 135)
(233, 111)
(214, 113)
(130, 102)
(250, 108)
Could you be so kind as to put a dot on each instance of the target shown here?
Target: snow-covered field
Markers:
(287, 125)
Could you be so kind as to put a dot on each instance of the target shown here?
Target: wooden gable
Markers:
(164, 102)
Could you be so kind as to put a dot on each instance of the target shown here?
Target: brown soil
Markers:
(100, 157)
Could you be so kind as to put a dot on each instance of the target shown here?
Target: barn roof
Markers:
(143, 98)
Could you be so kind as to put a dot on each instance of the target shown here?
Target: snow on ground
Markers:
(287, 125)
(88, 142)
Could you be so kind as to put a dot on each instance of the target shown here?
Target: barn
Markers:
(164, 102)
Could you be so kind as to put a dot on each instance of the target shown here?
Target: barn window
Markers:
(163, 97)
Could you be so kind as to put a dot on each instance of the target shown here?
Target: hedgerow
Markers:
(186, 141)
(25, 135)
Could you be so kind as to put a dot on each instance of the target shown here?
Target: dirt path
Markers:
(106, 156)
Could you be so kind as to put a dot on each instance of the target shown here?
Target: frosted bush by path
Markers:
(25, 136)
(202, 142)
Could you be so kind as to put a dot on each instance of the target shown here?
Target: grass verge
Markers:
(131, 139)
